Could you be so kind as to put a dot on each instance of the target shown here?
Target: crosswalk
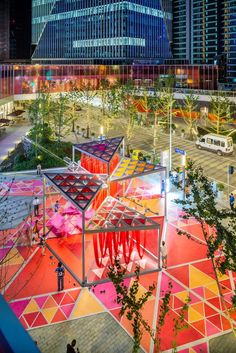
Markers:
(215, 167)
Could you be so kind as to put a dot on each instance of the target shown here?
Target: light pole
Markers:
(170, 147)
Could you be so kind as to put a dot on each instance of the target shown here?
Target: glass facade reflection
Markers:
(6, 81)
(61, 78)
(101, 31)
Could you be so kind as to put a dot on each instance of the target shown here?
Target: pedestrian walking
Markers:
(231, 201)
(71, 347)
(56, 206)
(36, 203)
(164, 254)
(60, 277)
(39, 169)
(42, 243)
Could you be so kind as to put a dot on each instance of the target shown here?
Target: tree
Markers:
(222, 114)
(188, 109)
(62, 120)
(218, 225)
(73, 98)
(86, 95)
(129, 110)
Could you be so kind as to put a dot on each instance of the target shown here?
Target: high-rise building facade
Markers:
(229, 39)
(101, 31)
(204, 32)
(4, 30)
(181, 30)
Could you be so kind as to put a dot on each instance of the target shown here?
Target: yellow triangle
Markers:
(31, 307)
(193, 315)
(49, 313)
(141, 291)
(198, 278)
(182, 295)
(213, 288)
(191, 350)
(14, 257)
(86, 305)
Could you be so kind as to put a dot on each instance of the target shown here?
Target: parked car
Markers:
(140, 155)
(222, 145)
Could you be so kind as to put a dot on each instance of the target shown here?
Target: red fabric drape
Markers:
(108, 244)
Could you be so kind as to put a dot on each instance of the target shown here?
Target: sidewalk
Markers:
(10, 138)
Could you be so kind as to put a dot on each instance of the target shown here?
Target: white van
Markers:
(216, 143)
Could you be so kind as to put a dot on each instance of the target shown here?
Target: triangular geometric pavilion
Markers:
(129, 168)
(80, 189)
(113, 215)
(102, 150)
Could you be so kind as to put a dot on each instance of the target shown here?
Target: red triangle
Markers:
(114, 221)
(215, 302)
(64, 183)
(59, 316)
(128, 221)
(58, 297)
(23, 322)
(208, 310)
(73, 190)
(199, 325)
(181, 273)
(30, 317)
(80, 197)
(141, 220)
(115, 313)
(40, 320)
(86, 190)
(122, 208)
(71, 177)
(177, 303)
(58, 177)
(215, 319)
(92, 183)
(67, 309)
(67, 300)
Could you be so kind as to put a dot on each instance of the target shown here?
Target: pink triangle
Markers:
(41, 300)
(67, 309)
(200, 291)
(211, 329)
(19, 306)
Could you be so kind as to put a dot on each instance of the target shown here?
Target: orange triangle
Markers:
(199, 308)
(59, 316)
(209, 294)
(200, 326)
(74, 294)
(50, 303)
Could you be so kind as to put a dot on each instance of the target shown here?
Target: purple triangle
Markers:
(67, 309)
(19, 306)
(41, 300)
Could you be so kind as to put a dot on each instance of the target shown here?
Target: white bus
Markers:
(222, 145)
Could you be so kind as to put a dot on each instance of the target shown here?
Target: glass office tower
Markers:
(229, 39)
(101, 31)
(181, 30)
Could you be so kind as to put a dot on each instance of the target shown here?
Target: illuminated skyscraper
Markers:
(101, 31)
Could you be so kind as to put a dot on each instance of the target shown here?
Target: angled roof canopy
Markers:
(113, 215)
(129, 168)
(102, 150)
(80, 189)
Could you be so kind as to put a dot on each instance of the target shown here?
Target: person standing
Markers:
(231, 201)
(164, 254)
(56, 206)
(71, 347)
(60, 276)
(39, 169)
(42, 243)
(36, 203)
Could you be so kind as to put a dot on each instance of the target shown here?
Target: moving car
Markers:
(222, 145)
